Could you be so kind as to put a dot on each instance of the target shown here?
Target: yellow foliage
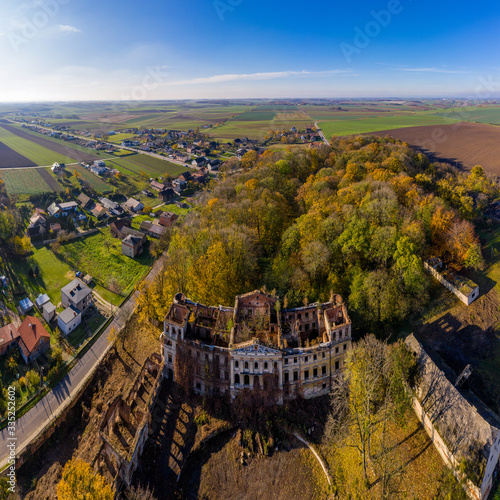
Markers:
(80, 482)
(252, 184)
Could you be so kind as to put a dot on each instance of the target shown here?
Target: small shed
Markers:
(49, 311)
(25, 305)
(41, 300)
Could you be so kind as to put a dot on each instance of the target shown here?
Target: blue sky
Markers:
(90, 50)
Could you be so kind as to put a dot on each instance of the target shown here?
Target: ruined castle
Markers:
(256, 345)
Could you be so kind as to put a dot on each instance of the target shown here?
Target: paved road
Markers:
(118, 146)
(322, 135)
(48, 408)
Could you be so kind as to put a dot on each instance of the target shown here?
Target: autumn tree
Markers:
(80, 482)
(371, 393)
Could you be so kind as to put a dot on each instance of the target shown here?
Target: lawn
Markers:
(24, 181)
(90, 255)
(173, 208)
(37, 154)
(100, 256)
(53, 274)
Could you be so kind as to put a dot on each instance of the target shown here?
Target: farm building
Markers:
(465, 289)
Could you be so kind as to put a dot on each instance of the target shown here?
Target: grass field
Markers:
(148, 164)
(37, 154)
(59, 142)
(24, 181)
(118, 138)
(474, 114)
(365, 125)
(54, 274)
(95, 182)
(100, 255)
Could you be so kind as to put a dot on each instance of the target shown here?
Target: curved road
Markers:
(48, 408)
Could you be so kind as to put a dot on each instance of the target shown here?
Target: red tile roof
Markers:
(30, 331)
(8, 333)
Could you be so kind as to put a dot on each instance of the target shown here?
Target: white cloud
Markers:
(257, 76)
(433, 70)
(66, 28)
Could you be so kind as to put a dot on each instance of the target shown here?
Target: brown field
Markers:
(46, 143)
(53, 184)
(12, 159)
(461, 144)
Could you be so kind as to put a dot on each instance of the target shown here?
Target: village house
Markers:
(37, 227)
(8, 337)
(53, 210)
(134, 205)
(179, 183)
(117, 226)
(132, 245)
(69, 319)
(76, 294)
(199, 162)
(108, 204)
(98, 170)
(25, 305)
(98, 211)
(168, 218)
(85, 201)
(55, 227)
(157, 186)
(167, 194)
(67, 208)
(58, 167)
(33, 340)
(41, 300)
(151, 229)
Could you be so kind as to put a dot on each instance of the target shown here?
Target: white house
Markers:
(69, 319)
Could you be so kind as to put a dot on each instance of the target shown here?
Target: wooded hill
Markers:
(356, 218)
